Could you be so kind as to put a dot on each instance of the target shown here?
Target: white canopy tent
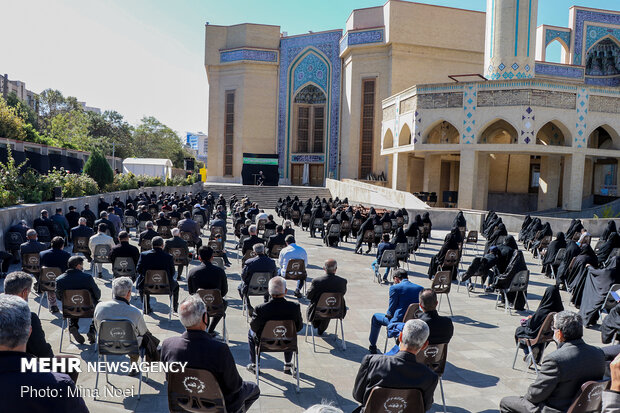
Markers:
(148, 166)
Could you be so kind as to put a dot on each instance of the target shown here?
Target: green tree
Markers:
(110, 128)
(11, 125)
(98, 168)
(23, 110)
(153, 139)
(71, 130)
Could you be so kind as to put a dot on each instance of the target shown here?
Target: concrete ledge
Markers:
(369, 194)
(28, 212)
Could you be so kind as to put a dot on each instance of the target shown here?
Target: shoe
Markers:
(489, 289)
(179, 278)
(372, 349)
(54, 309)
(298, 294)
(76, 334)
(288, 368)
(99, 275)
(92, 336)
(470, 287)
(251, 368)
(133, 373)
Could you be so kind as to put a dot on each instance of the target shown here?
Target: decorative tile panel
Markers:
(591, 33)
(361, 37)
(581, 115)
(528, 119)
(311, 69)
(559, 70)
(470, 102)
(552, 34)
(307, 158)
(248, 54)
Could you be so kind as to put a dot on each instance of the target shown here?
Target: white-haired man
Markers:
(201, 351)
(119, 308)
(259, 264)
(400, 371)
(275, 309)
(177, 242)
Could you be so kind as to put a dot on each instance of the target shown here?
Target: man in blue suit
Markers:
(402, 293)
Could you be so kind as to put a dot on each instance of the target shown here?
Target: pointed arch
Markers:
(441, 132)
(604, 137)
(553, 133)
(498, 131)
(388, 140)
(404, 136)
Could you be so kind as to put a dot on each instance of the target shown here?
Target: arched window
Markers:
(603, 59)
(309, 123)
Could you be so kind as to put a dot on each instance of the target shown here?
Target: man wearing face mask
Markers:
(562, 372)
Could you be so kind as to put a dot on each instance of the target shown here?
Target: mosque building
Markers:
(469, 109)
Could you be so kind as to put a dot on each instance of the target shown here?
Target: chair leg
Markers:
(449, 305)
(526, 303)
(41, 302)
(386, 340)
(507, 307)
(97, 377)
(439, 305)
(107, 379)
(297, 368)
(140, 383)
(344, 343)
(497, 300)
(307, 327)
(532, 358)
(62, 332)
(224, 330)
(312, 332)
(443, 399)
(515, 359)
(170, 312)
(257, 368)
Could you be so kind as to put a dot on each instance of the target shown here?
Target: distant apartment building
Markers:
(90, 108)
(199, 143)
(19, 88)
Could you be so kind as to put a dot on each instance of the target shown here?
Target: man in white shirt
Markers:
(290, 252)
(262, 215)
(100, 238)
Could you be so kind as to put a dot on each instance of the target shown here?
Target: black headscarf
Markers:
(551, 302)
(510, 242)
(459, 220)
(426, 218)
(613, 241)
(554, 246)
(611, 228)
(399, 236)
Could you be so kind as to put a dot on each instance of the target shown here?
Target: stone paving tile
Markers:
(477, 376)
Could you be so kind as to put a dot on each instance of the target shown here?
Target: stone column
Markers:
(573, 182)
(473, 179)
(432, 173)
(400, 173)
(550, 175)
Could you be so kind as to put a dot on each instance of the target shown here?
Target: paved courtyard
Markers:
(477, 376)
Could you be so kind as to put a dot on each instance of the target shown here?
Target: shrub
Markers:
(98, 168)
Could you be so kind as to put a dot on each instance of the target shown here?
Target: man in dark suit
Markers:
(103, 219)
(44, 221)
(76, 279)
(562, 372)
(260, 263)
(20, 284)
(89, 215)
(441, 328)
(144, 215)
(288, 228)
(177, 242)
(157, 259)
(187, 224)
(276, 239)
(328, 283)
(31, 246)
(55, 257)
(72, 217)
(124, 249)
(402, 293)
(208, 277)
(196, 347)
(250, 242)
(148, 233)
(270, 224)
(400, 371)
(275, 309)
(384, 245)
(82, 230)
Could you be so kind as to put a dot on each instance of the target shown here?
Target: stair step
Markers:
(266, 196)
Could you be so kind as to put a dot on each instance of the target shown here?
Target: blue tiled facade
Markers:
(571, 72)
(551, 35)
(248, 54)
(591, 32)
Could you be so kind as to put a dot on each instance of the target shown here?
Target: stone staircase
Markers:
(266, 196)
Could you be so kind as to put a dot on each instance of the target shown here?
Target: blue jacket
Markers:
(382, 247)
(55, 258)
(401, 295)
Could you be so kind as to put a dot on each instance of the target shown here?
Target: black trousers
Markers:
(146, 299)
(288, 355)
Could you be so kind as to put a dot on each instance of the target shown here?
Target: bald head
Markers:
(330, 266)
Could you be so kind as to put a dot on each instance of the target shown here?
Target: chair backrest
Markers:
(519, 281)
(345, 226)
(188, 237)
(77, 304)
(179, 255)
(402, 250)
(153, 211)
(545, 332)
(261, 224)
(387, 226)
(274, 252)
(586, 240)
(500, 240)
(142, 226)
(472, 237)
(451, 259)
(296, 270)
(576, 236)
(318, 223)
(199, 219)
(378, 230)
(47, 278)
(259, 283)
(369, 235)
(434, 357)
(442, 282)
(248, 254)
(14, 240)
(117, 337)
(219, 262)
(278, 336)
(559, 256)
(411, 241)
(174, 221)
(164, 231)
(31, 263)
(544, 243)
(80, 244)
(400, 221)
(268, 232)
(388, 259)
(216, 246)
(413, 311)
(145, 244)
(356, 223)
(610, 301)
(295, 214)
(213, 300)
(589, 399)
(334, 230)
(124, 267)
(216, 230)
(102, 253)
(129, 221)
(305, 219)
(156, 282)
(384, 400)
(43, 233)
(330, 305)
(195, 390)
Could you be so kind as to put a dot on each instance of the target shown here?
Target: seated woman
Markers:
(545, 231)
(578, 272)
(603, 252)
(413, 230)
(489, 223)
(307, 211)
(503, 281)
(575, 228)
(459, 221)
(328, 239)
(533, 229)
(572, 251)
(497, 237)
(451, 242)
(595, 289)
(367, 225)
(526, 222)
(551, 302)
(552, 251)
(426, 221)
(609, 229)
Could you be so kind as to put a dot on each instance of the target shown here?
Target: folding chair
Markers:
(434, 357)
(369, 237)
(268, 232)
(426, 231)
(388, 260)
(129, 222)
(334, 230)
(75, 304)
(442, 282)
(278, 336)
(31, 263)
(174, 222)
(274, 252)
(217, 247)
(101, 256)
(124, 267)
(216, 307)
(219, 262)
(305, 220)
(463, 231)
(141, 227)
(413, 312)
(153, 210)
(386, 226)
(296, 270)
(383, 399)
(14, 241)
(411, 244)
(199, 219)
(345, 230)
(156, 283)
(590, 398)
(356, 224)
(164, 231)
(215, 231)
(43, 234)
(542, 248)
(80, 245)
(472, 238)
(47, 283)
(518, 285)
(117, 338)
(330, 306)
(258, 286)
(450, 261)
(195, 390)
(248, 254)
(559, 257)
(261, 224)
(146, 245)
(180, 257)
(318, 225)
(189, 238)
(610, 302)
(544, 336)
(402, 253)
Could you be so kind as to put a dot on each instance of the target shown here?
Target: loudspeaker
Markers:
(58, 193)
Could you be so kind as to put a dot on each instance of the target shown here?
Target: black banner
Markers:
(43, 163)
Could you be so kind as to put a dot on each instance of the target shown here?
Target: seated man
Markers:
(187, 224)
(119, 308)
(89, 215)
(220, 223)
(270, 224)
(55, 257)
(208, 277)
(116, 220)
(162, 221)
(20, 284)
(31, 246)
(72, 217)
(44, 221)
(15, 319)
(276, 309)
(177, 242)
(82, 231)
(260, 263)
(398, 371)
(148, 233)
(144, 215)
(402, 293)
(60, 224)
(200, 351)
(76, 279)
(156, 259)
(562, 372)
(124, 249)
(328, 283)
(290, 252)
(276, 239)
(100, 238)
(288, 228)
(250, 242)
(103, 219)
(384, 245)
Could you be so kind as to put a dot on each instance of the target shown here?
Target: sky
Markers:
(146, 57)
